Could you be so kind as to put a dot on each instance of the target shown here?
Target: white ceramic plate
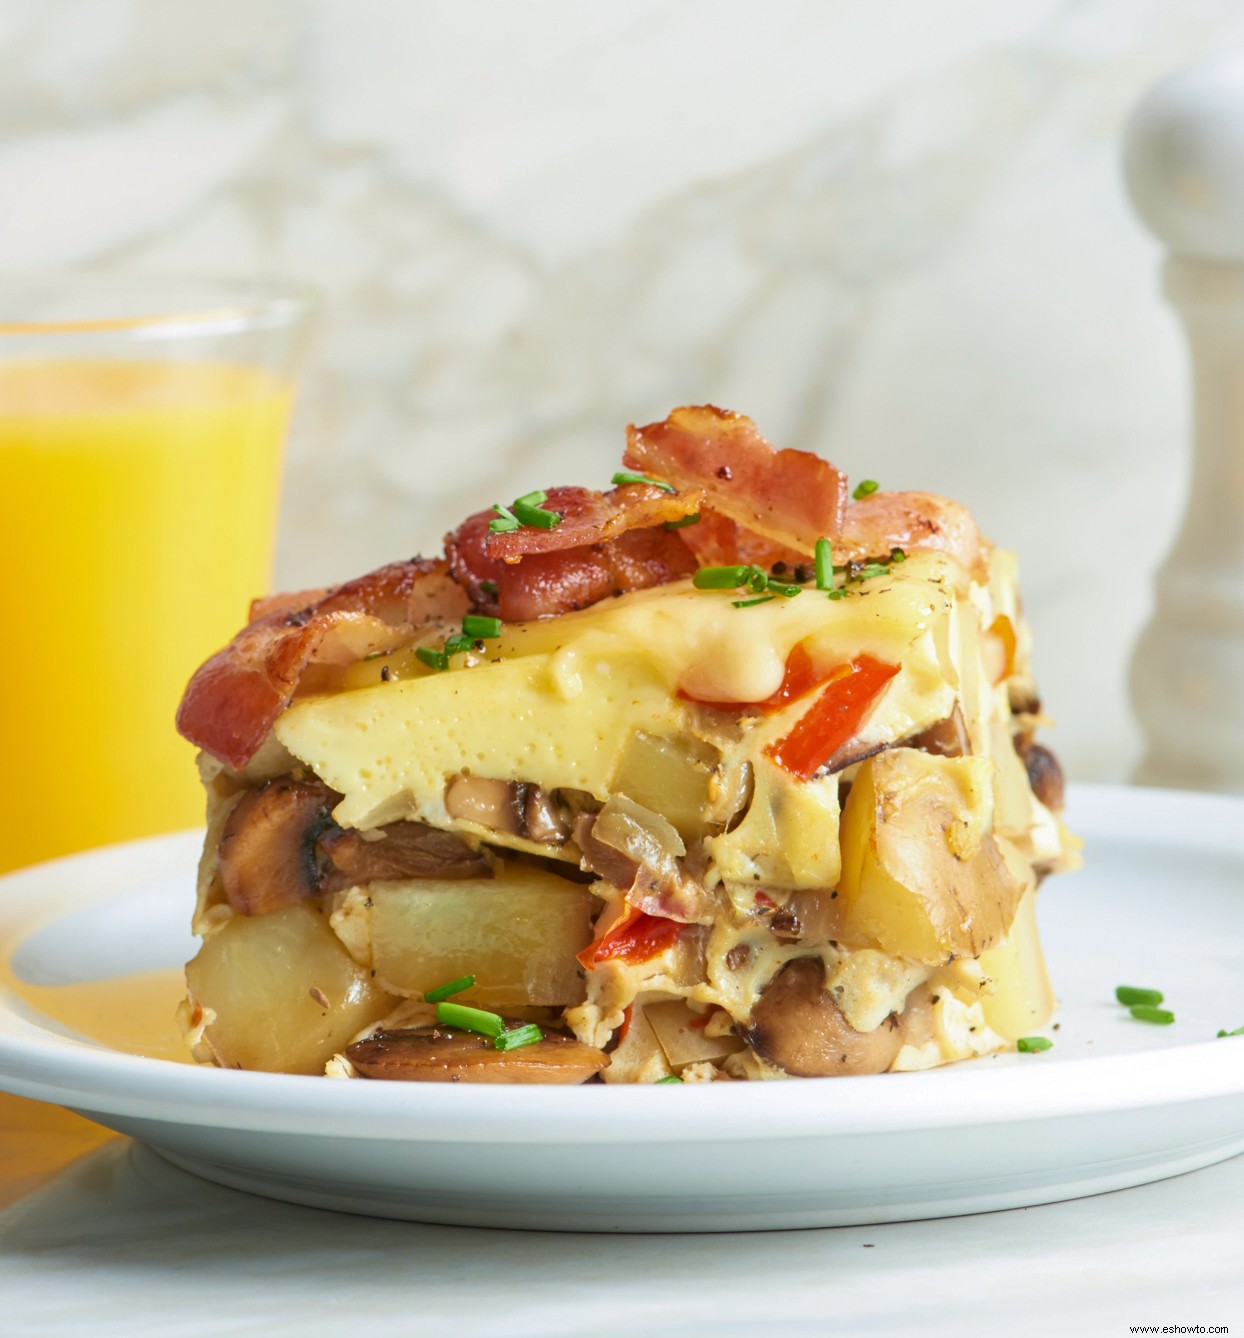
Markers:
(1115, 1103)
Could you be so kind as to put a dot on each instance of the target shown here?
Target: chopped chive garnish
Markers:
(1239, 1031)
(897, 555)
(434, 659)
(488, 587)
(1031, 1045)
(721, 578)
(669, 1077)
(824, 565)
(442, 992)
(474, 625)
(686, 520)
(868, 571)
(790, 591)
(740, 577)
(529, 510)
(506, 520)
(837, 594)
(865, 488)
(519, 1036)
(1163, 1017)
(750, 603)
(1131, 994)
(470, 1019)
(625, 476)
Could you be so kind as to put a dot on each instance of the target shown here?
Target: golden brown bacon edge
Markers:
(793, 497)
(234, 699)
(911, 521)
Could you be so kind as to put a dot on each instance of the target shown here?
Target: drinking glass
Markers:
(142, 424)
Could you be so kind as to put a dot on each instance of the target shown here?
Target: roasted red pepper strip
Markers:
(833, 718)
(802, 676)
(636, 937)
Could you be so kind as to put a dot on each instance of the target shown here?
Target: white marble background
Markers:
(891, 232)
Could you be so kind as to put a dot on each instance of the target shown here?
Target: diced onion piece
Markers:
(682, 1036)
(640, 834)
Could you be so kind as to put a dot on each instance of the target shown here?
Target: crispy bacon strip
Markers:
(543, 584)
(286, 601)
(590, 517)
(717, 541)
(233, 699)
(793, 497)
(548, 583)
(911, 521)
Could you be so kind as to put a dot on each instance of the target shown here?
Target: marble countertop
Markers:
(100, 1236)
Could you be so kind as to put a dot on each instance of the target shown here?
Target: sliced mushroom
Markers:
(946, 738)
(510, 808)
(1045, 775)
(397, 850)
(497, 804)
(446, 1054)
(797, 1025)
(281, 846)
(851, 753)
(1022, 696)
(544, 819)
(268, 852)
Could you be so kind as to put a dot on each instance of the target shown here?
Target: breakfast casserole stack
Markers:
(727, 772)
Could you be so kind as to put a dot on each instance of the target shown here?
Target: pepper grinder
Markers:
(1184, 164)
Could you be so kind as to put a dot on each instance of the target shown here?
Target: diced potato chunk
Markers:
(922, 875)
(286, 993)
(1023, 999)
(517, 934)
(670, 777)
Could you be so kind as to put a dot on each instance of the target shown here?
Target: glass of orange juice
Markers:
(141, 432)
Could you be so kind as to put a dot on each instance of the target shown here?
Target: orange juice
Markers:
(137, 513)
